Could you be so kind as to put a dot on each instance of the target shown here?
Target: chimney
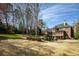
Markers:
(65, 23)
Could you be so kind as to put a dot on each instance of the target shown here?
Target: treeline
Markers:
(20, 18)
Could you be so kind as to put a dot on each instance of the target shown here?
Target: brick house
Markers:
(63, 31)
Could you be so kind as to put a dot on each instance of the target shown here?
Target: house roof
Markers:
(59, 26)
(62, 25)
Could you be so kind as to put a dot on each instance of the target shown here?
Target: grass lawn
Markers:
(10, 36)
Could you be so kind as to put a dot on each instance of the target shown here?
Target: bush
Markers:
(34, 38)
(77, 35)
(39, 38)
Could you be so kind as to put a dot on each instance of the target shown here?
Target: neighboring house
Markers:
(63, 31)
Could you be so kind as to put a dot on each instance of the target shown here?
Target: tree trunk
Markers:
(6, 20)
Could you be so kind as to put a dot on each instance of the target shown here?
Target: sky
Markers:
(55, 13)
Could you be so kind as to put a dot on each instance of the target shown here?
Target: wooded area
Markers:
(20, 19)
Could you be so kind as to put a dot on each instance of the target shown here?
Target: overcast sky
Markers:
(54, 14)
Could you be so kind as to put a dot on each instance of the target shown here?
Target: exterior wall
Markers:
(58, 35)
(68, 31)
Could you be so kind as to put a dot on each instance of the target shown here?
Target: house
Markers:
(63, 31)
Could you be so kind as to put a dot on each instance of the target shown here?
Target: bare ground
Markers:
(35, 48)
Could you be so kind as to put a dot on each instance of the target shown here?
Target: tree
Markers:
(26, 18)
(36, 14)
(5, 8)
(77, 30)
(19, 18)
(41, 26)
(29, 18)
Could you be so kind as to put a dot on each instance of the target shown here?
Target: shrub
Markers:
(77, 35)
(34, 38)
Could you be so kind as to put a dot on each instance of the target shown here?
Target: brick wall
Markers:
(68, 31)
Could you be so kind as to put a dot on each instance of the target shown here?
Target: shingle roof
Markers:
(62, 25)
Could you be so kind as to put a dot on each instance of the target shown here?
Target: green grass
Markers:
(10, 36)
